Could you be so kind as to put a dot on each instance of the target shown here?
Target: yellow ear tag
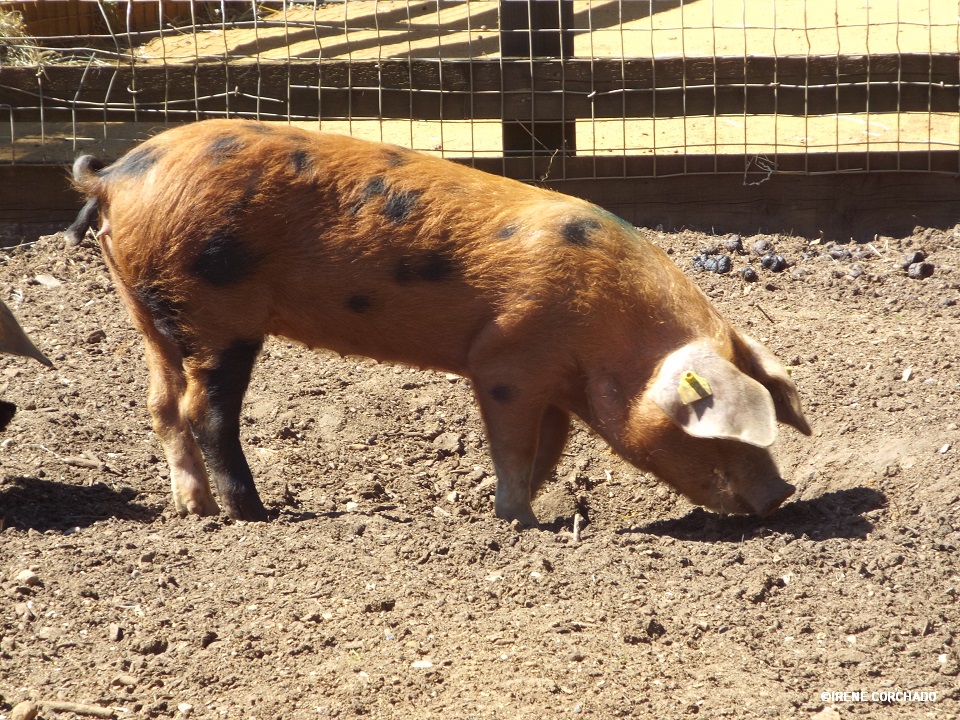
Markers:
(692, 388)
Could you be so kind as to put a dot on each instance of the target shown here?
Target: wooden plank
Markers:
(943, 164)
(37, 200)
(488, 89)
(34, 200)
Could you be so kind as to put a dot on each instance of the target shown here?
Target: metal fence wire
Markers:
(534, 89)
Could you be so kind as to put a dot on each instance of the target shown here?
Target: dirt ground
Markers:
(385, 588)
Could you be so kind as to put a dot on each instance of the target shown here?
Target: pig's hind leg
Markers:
(215, 390)
(188, 475)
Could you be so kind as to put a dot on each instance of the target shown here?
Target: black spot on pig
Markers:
(359, 303)
(258, 127)
(375, 187)
(224, 148)
(135, 163)
(165, 314)
(242, 204)
(503, 393)
(396, 157)
(400, 205)
(506, 232)
(577, 232)
(225, 260)
(429, 267)
(301, 161)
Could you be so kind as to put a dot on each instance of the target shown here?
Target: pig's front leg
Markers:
(525, 432)
(518, 480)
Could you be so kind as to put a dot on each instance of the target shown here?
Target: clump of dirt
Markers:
(385, 588)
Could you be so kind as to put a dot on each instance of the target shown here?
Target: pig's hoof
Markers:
(249, 508)
(522, 518)
(203, 506)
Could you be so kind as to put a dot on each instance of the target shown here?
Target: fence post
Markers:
(535, 29)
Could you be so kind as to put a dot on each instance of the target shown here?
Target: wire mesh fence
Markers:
(536, 89)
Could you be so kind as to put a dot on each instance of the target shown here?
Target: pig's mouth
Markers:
(761, 499)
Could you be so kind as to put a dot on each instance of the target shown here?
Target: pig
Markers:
(223, 232)
(14, 341)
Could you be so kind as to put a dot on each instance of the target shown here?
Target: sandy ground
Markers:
(384, 587)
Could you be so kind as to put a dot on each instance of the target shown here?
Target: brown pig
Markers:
(222, 232)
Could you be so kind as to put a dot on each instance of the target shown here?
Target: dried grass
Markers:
(16, 47)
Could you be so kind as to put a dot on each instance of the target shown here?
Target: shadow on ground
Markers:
(838, 514)
(32, 503)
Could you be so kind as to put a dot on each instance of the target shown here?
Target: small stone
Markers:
(154, 646)
(448, 443)
(184, 709)
(762, 247)
(28, 578)
(47, 281)
(115, 633)
(774, 263)
(124, 680)
(559, 504)
(920, 271)
(421, 664)
(25, 711)
(97, 336)
(733, 243)
(654, 629)
(48, 633)
(912, 258)
(828, 713)
(380, 605)
(25, 611)
(949, 664)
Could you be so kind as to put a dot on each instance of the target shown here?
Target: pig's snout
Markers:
(763, 498)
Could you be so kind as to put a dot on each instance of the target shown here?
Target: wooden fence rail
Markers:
(432, 89)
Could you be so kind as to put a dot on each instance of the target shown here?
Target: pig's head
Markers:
(704, 424)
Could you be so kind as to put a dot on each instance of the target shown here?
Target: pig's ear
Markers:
(774, 377)
(709, 397)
